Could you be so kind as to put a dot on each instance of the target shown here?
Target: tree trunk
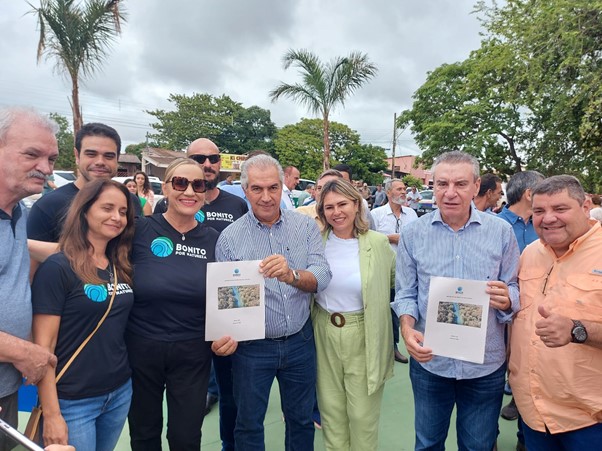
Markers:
(78, 121)
(517, 160)
(326, 143)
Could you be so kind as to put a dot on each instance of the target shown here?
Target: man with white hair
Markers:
(28, 150)
(294, 266)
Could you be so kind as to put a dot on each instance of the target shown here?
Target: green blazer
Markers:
(377, 270)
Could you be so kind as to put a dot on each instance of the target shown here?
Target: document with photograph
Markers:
(235, 301)
(456, 318)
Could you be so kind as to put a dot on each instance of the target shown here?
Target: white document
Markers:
(456, 318)
(235, 301)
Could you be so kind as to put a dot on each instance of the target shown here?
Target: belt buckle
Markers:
(337, 319)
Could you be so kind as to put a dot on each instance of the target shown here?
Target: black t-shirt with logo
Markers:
(170, 279)
(219, 214)
(102, 366)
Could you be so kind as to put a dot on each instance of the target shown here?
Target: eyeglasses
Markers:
(397, 225)
(181, 184)
(201, 158)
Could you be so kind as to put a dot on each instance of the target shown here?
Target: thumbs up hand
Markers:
(553, 329)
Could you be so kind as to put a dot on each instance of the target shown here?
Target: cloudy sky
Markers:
(235, 47)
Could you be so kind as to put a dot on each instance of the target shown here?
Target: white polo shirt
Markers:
(386, 222)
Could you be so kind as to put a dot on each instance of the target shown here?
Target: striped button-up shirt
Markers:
(298, 239)
(484, 249)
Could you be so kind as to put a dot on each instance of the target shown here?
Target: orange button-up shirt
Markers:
(560, 388)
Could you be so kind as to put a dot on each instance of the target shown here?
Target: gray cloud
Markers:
(235, 47)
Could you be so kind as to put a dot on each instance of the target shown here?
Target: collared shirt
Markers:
(558, 388)
(297, 238)
(386, 222)
(413, 199)
(483, 249)
(525, 232)
(287, 198)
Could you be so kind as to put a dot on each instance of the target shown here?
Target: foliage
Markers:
(324, 85)
(410, 180)
(78, 37)
(528, 98)
(300, 145)
(232, 127)
(64, 137)
(136, 149)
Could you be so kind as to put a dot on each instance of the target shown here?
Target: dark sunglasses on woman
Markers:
(181, 184)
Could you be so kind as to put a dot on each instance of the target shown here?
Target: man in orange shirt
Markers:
(556, 344)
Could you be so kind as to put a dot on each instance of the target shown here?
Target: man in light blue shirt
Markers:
(458, 241)
(292, 261)
(518, 211)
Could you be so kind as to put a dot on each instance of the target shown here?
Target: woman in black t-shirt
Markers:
(166, 331)
(71, 293)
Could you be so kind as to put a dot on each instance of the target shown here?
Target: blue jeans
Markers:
(227, 405)
(255, 364)
(579, 440)
(96, 423)
(478, 402)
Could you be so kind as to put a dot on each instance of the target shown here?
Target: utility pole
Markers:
(394, 142)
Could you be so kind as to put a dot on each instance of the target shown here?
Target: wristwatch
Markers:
(296, 277)
(579, 333)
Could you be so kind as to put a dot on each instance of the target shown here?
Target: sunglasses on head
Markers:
(201, 158)
(181, 184)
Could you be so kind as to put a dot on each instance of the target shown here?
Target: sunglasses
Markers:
(201, 158)
(181, 184)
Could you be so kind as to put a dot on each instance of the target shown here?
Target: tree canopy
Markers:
(324, 85)
(300, 145)
(232, 127)
(78, 37)
(528, 98)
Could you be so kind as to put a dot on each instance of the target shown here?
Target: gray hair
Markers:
(260, 162)
(519, 183)
(389, 184)
(458, 157)
(559, 183)
(9, 115)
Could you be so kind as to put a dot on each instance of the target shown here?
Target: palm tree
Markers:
(324, 86)
(78, 37)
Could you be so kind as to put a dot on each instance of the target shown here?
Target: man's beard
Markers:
(211, 184)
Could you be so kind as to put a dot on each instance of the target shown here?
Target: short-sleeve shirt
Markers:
(102, 366)
(170, 279)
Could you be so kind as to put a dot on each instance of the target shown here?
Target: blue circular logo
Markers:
(237, 271)
(96, 293)
(162, 247)
(460, 289)
(200, 216)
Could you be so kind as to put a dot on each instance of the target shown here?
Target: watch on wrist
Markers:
(579, 332)
(296, 277)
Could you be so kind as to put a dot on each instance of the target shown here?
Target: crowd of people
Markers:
(114, 317)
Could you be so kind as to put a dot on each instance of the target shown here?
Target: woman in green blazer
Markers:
(352, 322)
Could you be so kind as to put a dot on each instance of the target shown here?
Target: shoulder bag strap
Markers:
(85, 342)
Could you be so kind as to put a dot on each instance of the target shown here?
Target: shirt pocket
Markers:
(531, 282)
(585, 302)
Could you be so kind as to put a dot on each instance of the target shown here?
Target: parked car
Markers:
(63, 177)
(301, 187)
(427, 204)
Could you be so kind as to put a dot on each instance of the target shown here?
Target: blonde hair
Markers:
(345, 189)
(181, 162)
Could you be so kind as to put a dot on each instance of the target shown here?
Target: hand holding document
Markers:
(235, 301)
(456, 318)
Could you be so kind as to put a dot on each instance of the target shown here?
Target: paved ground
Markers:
(396, 424)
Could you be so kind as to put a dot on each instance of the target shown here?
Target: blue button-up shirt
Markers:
(484, 249)
(296, 237)
(525, 232)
